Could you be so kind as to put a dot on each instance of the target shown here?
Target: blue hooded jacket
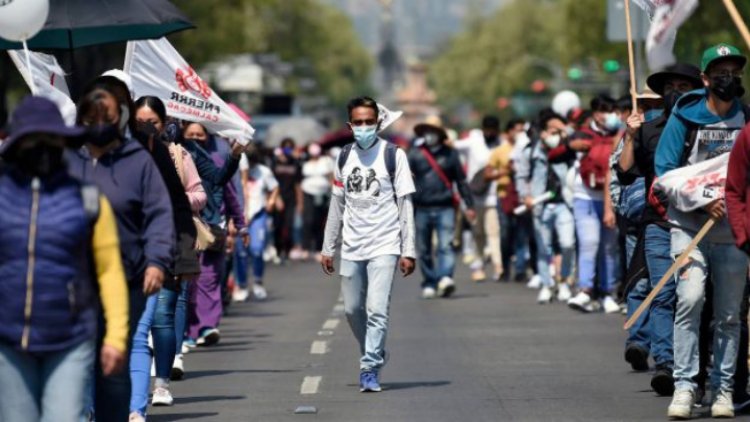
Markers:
(715, 135)
(129, 178)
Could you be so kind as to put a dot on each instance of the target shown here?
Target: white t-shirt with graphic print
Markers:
(371, 218)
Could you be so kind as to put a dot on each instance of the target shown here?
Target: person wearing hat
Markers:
(652, 334)
(704, 124)
(436, 169)
(50, 285)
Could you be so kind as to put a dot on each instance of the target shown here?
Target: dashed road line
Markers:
(310, 385)
(331, 324)
(319, 347)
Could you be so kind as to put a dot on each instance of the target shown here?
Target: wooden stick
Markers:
(732, 9)
(631, 58)
(670, 272)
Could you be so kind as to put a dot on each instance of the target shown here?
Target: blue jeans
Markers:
(430, 220)
(727, 267)
(661, 313)
(46, 386)
(513, 238)
(551, 219)
(180, 316)
(366, 287)
(258, 230)
(640, 332)
(159, 319)
(597, 246)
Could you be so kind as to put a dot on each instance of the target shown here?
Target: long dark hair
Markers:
(155, 104)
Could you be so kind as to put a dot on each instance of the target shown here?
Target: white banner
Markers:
(667, 17)
(693, 187)
(49, 80)
(158, 69)
(387, 117)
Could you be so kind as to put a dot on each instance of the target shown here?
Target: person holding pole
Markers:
(704, 124)
(637, 160)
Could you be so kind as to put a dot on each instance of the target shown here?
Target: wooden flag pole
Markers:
(670, 272)
(732, 9)
(631, 59)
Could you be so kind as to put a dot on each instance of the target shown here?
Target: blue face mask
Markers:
(287, 151)
(653, 114)
(612, 122)
(365, 135)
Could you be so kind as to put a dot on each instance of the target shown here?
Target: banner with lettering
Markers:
(157, 69)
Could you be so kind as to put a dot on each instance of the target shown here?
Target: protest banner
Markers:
(45, 78)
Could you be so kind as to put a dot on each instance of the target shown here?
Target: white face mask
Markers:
(552, 141)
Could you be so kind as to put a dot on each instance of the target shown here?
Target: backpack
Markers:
(390, 159)
(595, 164)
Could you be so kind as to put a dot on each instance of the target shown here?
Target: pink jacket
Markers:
(190, 180)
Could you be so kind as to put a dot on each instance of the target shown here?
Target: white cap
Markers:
(124, 77)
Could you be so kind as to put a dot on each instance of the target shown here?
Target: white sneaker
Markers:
(240, 294)
(178, 369)
(610, 306)
(545, 295)
(563, 292)
(723, 406)
(682, 404)
(535, 282)
(446, 286)
(428, 293)
(581, 302)
(136, 417)
(259, 292)
(162, 397)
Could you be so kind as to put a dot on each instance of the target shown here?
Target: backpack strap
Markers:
(390, 161)
(343, 156)
(689, 142)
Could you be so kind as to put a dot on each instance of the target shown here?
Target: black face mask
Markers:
(103, 134)
(490, 139)
(40, 161)
(727, 88)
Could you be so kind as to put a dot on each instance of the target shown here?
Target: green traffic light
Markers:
(611, 66)
(575, 73)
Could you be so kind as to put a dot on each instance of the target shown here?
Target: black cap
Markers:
(658, 80)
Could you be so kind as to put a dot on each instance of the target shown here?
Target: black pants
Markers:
(314, 219)
(283, 225)
(112, 395)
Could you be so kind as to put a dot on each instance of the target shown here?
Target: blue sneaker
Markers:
(368, 382)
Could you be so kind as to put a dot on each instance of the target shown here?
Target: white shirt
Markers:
(260, 182)
(317, 175)
(477, 155)
(371, 219)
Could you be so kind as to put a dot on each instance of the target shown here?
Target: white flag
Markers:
(158, 69)
(666, 18)
(387, 117)
(49, 80)
(691, 187)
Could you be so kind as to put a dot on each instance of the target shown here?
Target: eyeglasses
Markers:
(365, 122)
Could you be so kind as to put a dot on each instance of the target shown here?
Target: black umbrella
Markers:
(79, 23)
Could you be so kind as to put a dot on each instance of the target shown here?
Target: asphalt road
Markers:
(487, 354)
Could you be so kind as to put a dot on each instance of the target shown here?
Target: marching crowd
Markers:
(124, 238)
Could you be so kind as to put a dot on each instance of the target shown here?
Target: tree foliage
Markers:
(317, 39)
(498, 55)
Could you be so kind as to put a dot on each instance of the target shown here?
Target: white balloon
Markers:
(22, 19)
(565, 101)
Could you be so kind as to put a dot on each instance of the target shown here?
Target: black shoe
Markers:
(520, 278)
(741, 401)
(637, 357)
(663, 382)
(505, 278)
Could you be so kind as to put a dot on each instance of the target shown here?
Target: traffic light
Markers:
(575, 73)
(611, 66)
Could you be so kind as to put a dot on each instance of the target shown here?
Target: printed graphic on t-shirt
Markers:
(362, 187)
(714, 140)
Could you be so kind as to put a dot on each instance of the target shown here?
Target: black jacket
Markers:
(431, 190)
(644, 148)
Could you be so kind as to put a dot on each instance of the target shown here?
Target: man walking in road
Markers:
(437, 168)
(377, 233)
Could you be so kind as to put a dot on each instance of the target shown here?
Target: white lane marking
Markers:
(325, 333)
(331, 324)
(339, 308)
(319, 347)
(310, 385)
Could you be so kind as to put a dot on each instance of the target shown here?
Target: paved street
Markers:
(488, 354)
